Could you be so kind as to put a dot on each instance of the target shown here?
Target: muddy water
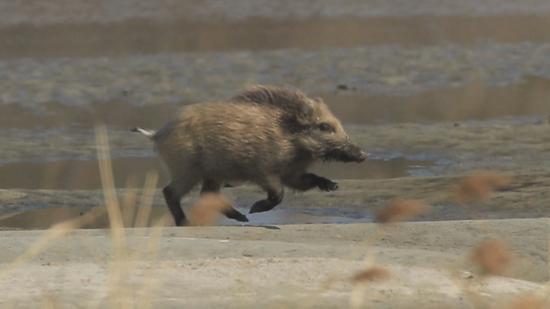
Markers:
(475, 100)
(73, 174)
(143, 36)
(66, 75)
(46, 217)
(128, 172)
(58, 11)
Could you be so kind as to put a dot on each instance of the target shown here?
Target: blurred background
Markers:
(429, 88)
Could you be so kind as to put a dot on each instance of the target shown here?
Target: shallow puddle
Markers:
(74, 174)
(130, 172)
(147, 36)
(44, 218)
(478, 99)
(475, 100)
(303, 216)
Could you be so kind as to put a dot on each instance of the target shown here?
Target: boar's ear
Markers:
(300, 116)
(319, 100)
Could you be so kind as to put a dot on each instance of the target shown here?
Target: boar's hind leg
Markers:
(173, 194)
(173, 202)
(308, 181)
(212, 186)
(275, 195)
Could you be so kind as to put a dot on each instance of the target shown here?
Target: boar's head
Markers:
(315, 131)
(325, 137)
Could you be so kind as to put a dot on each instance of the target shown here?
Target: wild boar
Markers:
(266, 135)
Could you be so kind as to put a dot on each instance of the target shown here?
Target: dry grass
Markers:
(361, 282)
(479, 185)
(375, 273)
(208, 209)
(118, 269)
(54, 233)
(530, 301)
(492, 256)
(401, 210)
(146, 201)
(120, 293)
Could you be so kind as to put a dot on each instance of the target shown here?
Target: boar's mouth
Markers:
(350, 153)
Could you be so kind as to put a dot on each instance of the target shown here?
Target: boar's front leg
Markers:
(309, 181)
(275, 194)
(212, 186)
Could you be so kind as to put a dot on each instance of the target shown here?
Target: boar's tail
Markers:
(147, 133)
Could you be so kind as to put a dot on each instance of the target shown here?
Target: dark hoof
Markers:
(183, 222)
(328, 185)
(234, 214)
(241, 218)
(260, 207)
(254, 209)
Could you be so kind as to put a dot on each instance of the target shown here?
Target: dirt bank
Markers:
(289, 265)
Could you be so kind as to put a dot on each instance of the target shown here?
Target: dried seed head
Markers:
(401, 210)
(492, 255)
(207, 209)
(529, 301)
(372, 274)
(479, 186)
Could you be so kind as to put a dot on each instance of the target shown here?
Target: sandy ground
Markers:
(275, 266)
(446, 87)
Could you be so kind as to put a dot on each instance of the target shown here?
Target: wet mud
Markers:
(430, 89)
(146, 36)
(84, 174)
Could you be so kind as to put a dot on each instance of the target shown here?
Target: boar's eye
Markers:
(325, 127)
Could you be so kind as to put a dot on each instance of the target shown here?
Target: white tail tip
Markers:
(148, 133)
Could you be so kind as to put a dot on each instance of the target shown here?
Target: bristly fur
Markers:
(298, 109)
(265, 135)
(278, 96)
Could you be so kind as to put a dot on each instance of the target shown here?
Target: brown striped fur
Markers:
(265, 135)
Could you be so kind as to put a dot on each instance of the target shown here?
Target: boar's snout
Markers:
(362, 156)
(355, 154)
(348, 153)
